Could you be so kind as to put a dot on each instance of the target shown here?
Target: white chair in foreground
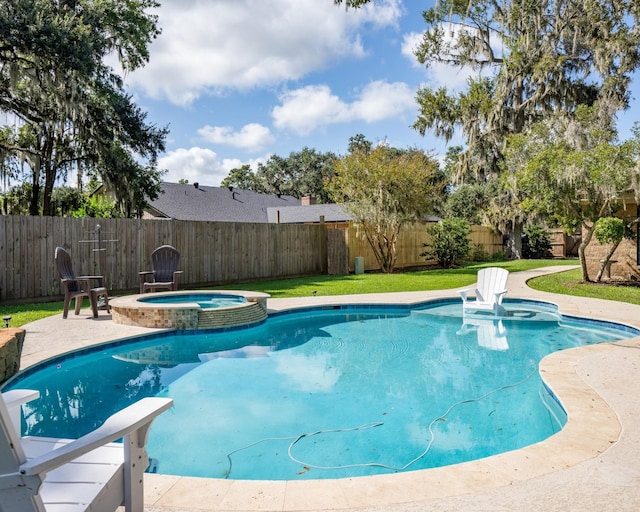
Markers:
(42, 474)
(489, 291)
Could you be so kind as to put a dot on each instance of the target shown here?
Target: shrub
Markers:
(609, 230)
(479, 254)
(498, 256)
(537, 243)
(449, 242)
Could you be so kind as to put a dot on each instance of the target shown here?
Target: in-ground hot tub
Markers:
(191, 309)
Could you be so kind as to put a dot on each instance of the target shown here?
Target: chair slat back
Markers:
(65, 268)
(164, 261)
(491, 280)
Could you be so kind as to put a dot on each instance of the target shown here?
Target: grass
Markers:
(568, 283)
(433, 279)
(24, 313)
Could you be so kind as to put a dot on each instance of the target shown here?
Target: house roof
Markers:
(196, 202)
(312, 213)
(220, 204)
(307, 213)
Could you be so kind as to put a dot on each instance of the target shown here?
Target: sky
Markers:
(236, 81)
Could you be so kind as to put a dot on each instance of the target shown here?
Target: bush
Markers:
(449, 242)
(609, 230)
(498, 256)
(479, 254)
(536, 244)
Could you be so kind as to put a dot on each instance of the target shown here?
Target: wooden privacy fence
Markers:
(410, 245)
(211, 252)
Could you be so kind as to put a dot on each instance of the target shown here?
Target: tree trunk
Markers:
(34, 205)
(606, 260)
(50, 178)
(514, 242)
(581, 251)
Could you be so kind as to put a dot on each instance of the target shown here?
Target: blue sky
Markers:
(239, 80)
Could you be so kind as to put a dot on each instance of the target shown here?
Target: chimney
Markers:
(308, 199)
(196, 184)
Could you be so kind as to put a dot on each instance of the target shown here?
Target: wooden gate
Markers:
(337, 252)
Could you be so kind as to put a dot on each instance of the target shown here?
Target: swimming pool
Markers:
(302, 372)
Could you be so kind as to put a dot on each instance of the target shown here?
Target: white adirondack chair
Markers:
(489, 291)
(92, 473)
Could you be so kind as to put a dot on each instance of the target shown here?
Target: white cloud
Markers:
(304, 110)
(252, 137)
(208, 47)
(383, 100)
(308, 373)
(196, 165)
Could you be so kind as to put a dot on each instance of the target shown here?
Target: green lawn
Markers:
(436, 279)
(569, 283)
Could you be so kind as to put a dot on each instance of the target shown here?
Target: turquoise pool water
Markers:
(204, 300)
(325, 393)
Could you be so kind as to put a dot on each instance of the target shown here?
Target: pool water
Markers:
(204, 300)
(324, 393)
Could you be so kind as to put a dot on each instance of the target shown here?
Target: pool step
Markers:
(227, 317)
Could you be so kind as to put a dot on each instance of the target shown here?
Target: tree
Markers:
(243, 178)
(358, 143)
(351, 3)
(538, 58)
(573, 171)
(534, 59)
(383, 189)
(301, 173)
(69, 106)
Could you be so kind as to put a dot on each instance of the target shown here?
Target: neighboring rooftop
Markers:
(308, 213)
(182, 201)
(193, 201)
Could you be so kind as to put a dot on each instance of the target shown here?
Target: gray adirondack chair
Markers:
(164, 261)
(77, 287)
(92, 473)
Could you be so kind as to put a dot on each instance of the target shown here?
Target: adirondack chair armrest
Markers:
(146, 273)
(499, 295)
(82, 281)
(99, 279)
(466, 291)
(13, 399)
(134, 421)
(17, 397)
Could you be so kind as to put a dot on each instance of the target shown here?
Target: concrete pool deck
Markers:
(593, 464)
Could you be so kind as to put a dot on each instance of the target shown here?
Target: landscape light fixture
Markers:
(6, 320)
